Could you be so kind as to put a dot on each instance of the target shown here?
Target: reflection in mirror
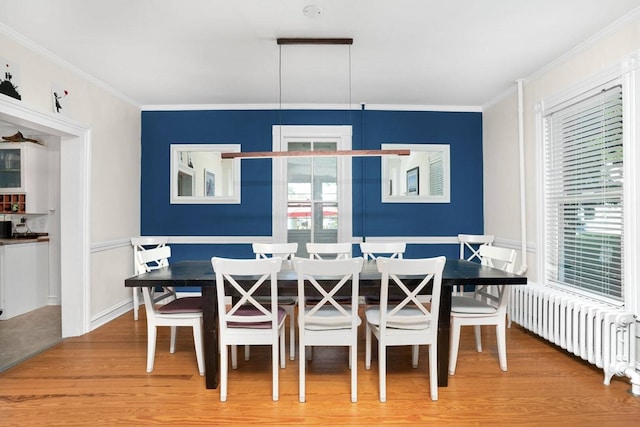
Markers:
(422, 177)
(200, 175)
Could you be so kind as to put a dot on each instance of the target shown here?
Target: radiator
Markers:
(598, 333)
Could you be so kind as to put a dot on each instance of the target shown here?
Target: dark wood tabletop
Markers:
(200, 273)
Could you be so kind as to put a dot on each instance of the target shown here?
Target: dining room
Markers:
(477, 111)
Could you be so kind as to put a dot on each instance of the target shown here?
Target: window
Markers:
(584, 193)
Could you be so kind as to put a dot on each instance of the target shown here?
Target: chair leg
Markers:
(415, 352)
(152, 332)
(136, 302)
(453, 349)
(302, 361)
(234, 357)
(247, 351)
(353, 361)
(367, 347)
(274, 363)
(382, 371)
(224, 371)
(502, 345)
(172, 342)
(281, 342)
(478, 334)
(433, 371)
(292, 335)
(197, 340)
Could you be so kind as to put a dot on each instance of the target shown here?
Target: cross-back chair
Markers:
(249, 321)
(185, 311)
(409, 322)
(140, 244)
(325, 321)
(487, 306)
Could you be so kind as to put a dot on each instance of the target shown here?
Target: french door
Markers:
(312, 195)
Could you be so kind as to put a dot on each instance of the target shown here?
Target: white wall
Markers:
(115, 164)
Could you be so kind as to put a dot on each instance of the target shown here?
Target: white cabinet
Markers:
(24, 168)
(24, 278)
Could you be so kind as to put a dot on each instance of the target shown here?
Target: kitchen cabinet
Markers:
(24, 169)
(24, 278)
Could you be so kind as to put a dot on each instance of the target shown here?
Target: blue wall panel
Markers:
(253, 130)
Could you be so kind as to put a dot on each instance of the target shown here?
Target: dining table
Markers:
(199, 273)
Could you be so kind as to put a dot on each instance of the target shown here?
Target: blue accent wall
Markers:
(252, 129)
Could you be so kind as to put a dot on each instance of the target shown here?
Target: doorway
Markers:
(73, 212)
(312, 195)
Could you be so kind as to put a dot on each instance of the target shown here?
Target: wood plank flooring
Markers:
(99, 379)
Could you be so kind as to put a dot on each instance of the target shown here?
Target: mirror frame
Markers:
(385, 180)
(175, 167)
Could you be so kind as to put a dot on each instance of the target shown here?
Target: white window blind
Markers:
(436, 175)
(584, 195)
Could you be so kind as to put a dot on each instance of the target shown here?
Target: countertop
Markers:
(15, 241)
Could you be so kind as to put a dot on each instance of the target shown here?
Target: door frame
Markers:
(343, 136)
(74, 207)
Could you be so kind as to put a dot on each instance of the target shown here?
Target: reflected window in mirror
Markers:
(199, 174)
(421, 177)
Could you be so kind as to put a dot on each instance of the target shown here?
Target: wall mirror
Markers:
(200, 175)
(421, 177)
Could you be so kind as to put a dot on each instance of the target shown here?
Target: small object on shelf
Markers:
(18, 137)
(15, 207)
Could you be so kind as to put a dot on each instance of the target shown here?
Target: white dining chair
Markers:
(326, 321)
(185, 311)
(487, 306)
(142, 244)
(329, 250)
(372, 250)
(469, 250)
(248, 321)
(286, 251)
(409, 322)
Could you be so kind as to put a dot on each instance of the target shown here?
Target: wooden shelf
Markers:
(8, 200)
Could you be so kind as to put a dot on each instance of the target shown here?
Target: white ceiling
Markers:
(405, 52)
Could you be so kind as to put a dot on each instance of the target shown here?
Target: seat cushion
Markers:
(182, 305)
(421, 322)
(329, 318)
(460, 304)
(284, 300)
(252, 311)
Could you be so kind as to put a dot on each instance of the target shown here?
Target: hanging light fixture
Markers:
(326, 153)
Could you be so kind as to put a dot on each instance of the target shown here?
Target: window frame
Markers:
(625, 74)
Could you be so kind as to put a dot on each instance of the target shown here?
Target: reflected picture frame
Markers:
(413, 181)
(209, 184)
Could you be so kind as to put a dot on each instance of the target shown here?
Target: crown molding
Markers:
(31, 45)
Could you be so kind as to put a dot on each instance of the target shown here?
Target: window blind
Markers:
(436, 175)
(584, 195)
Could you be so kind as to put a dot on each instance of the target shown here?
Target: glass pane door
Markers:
(312, 195)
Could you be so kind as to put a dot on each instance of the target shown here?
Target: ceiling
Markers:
(456, 53)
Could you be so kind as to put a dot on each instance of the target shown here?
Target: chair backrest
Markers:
(268, 250)
(469, 244)
(329, 250)
(244, 279)
(410, 312)
(327, 278)
(144, 243)
(152, 259)
(503, 259)
(371, 250)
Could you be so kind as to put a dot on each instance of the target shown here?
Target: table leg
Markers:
(444, 331)
(210, 331)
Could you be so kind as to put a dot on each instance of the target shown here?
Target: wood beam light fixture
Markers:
(327, 153)
(282, 154)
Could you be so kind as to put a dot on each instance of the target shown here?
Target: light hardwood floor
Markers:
(99, 379)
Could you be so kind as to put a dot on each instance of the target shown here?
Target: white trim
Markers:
(344, 136)
(570, 54)
(381, 107)
(75, 182)
(219, 240)
(624, 72)
(417, 240)
(30, 44)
